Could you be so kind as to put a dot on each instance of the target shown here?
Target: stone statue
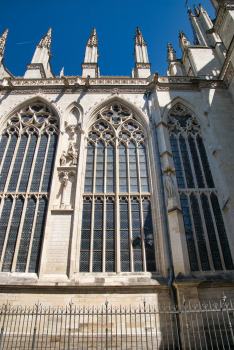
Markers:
(169, 185)
(63, 159)
(72, 153)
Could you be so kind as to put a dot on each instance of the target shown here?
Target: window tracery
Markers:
(27, 152)
(116, 204)
(206, 236)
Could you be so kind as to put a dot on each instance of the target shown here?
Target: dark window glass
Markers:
(149, 236)
(12, 236)
(98, 236)
(189, 233)
(133, 171)
(38, 235)
(143, 168)
(49, 164)
(28, 164)
(201, 242)
(205, 163)
(39, 164)
(196, 163)
(110, 170)
(110, 236)
(222, 232)
(123, 180)
(211, 233)
(89, 169)
(186, 162)
(177, 162)
(7, 161)
(136, 236)
(100, 161)
(124, 236)
(85, 236)
(26, 236)
(17, 164)
(3, 144)
(6, 211)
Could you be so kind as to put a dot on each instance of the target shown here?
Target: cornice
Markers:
(109, 85)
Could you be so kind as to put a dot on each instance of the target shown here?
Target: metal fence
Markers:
(197, 326)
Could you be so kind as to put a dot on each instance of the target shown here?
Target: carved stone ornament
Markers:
(63, 158)
(170, 185)
(72, 153)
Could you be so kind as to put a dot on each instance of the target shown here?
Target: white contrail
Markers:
(26, 42)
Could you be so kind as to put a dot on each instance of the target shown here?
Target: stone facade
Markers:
(146, 111)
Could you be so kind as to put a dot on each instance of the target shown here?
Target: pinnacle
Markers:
(196, 10)
(93, 39)
(3, 40)
(46, 40)
(171, 53)
(139, 39)
(170, 47)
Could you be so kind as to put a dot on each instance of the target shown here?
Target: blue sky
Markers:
(115, 21)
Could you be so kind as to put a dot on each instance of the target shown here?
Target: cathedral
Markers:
(120, 188)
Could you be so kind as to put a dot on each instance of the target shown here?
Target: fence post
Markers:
(2, 329)
(35, 326)
(69, 328)
(106, 303)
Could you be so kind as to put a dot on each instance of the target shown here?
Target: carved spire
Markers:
(184, 38)
(3, 40)
(46, 40)
(93, 39)
(171, 53)
(139, 39)
(196, 10)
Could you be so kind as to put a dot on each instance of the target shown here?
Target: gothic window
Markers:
(27, 152)
(116, 222)
(205, 231)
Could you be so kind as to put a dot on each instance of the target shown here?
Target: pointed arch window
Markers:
(116, 233)
(205, 231)
(27, 152)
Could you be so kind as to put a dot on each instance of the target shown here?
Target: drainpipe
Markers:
(171, 268)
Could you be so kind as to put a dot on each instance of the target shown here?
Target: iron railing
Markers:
(198, 326)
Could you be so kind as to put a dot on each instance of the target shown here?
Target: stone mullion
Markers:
(7, 232)
(44, 164)
(92, 213)
(205, 233)
(19, 235)
(104, 235)
(201, 164)
(32, 234)
(22, 165)
(117, 211)
(12, 163)
(105, 170)
(195, 235)
(142, 236)
(104, 213)
(5, 152)
(33, 164)
(192, 165)
(130, 233)
(129, 212)
(141, 215)
(216, 233)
